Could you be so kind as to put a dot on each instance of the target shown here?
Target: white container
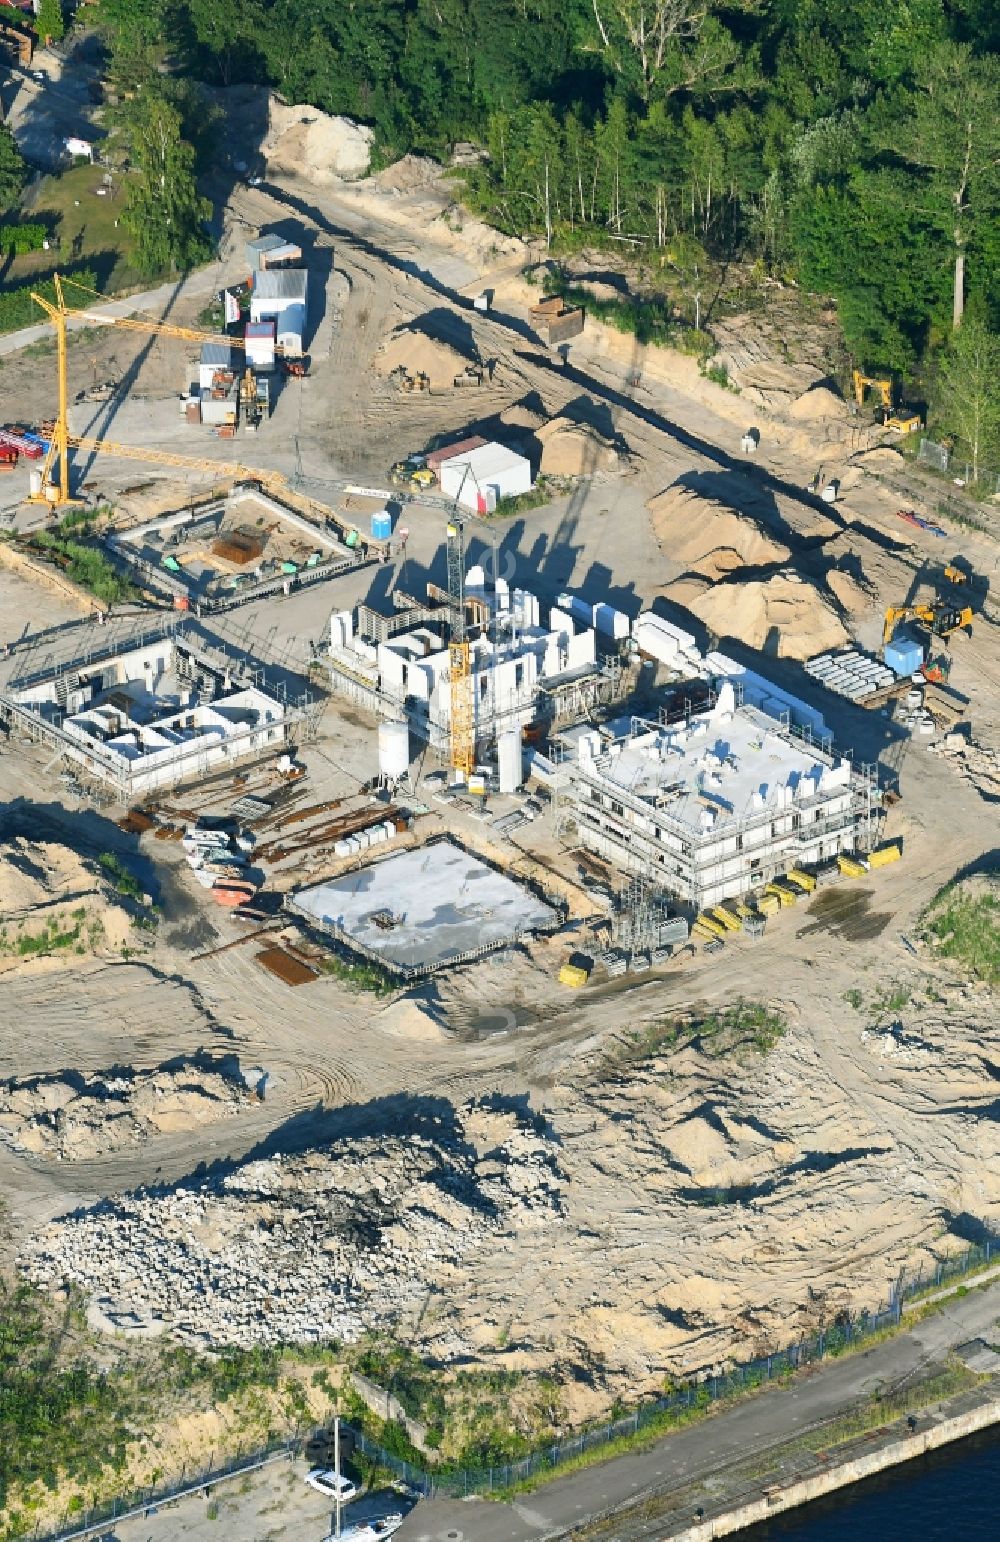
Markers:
(393, 749)
(479, 478)
(509, 760)
(34, 481)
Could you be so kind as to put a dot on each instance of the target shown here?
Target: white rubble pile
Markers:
(978, 763)
(330, 1244)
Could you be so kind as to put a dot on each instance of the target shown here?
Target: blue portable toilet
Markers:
(381, 525)
(904, 656)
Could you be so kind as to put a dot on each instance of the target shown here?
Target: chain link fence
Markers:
(944, 460)
(842, 1335)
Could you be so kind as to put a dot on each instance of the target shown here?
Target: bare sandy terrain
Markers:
(622, 1195)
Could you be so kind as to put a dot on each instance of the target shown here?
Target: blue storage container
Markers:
(904, 656)
(381, 526)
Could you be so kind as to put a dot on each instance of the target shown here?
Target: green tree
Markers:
(12, 168)
(967, 391)
(163, 210)
(951, 138)
(226, 30)
(50, 20)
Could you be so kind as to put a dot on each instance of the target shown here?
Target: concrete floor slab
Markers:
(421, 909)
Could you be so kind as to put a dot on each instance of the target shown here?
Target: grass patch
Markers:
(363, 976)
(963, 924)
(119, 875)
(543, 492)
(77, 1411)
(948, 1381)
(746, 1025)
(719, 375)
(81, 226)
(474, 1418)
(86, 566)
(892, 1000)
(745, 1022)
(647, 319)
(55, 934)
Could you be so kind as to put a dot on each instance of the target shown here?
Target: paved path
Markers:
(754, 1425)
(161, 301)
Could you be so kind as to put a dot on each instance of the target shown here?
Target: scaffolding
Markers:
(208, 664)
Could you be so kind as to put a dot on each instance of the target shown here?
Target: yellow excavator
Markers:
(903, 422)
(940, 620)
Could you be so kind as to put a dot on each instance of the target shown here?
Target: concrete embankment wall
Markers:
(899, 1448)
(51, 577)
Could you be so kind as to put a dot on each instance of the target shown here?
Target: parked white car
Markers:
(372, 1531)
(325, 1481)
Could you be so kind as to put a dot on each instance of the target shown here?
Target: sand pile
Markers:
(413, 352)
(407, 175)
(522, 416)
(781, 615)
(74, 1117)
(854, 597)
(310, 144)
(54, 905)
(816, 404)
(882, 458)
(572, 449)
(707, 537)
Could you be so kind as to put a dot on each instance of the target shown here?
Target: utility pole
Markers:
(336, 1468)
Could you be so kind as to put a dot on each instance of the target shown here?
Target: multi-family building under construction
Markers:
(713, 807)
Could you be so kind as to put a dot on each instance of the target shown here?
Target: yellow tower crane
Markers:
(463, 734)
(61, 439)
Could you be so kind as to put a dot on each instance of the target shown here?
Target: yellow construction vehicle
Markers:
(939, 619)
(412, 472)
(956, 575)
(903, 422)
(863, 383)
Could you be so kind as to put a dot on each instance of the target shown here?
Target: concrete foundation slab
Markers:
(419, 910)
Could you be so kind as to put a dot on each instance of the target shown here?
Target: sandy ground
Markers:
(713, 1207)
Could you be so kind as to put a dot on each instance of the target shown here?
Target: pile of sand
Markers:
(520, 415)
(882, 457)
(413, 352)
(572, 449)
(852, 596)
(75, 1117)
(707, 537)
(816, 404)
(407, 175)
(54, 905)
(310, 144)
(781, 615)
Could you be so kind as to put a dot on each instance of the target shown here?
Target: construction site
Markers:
(527, 715)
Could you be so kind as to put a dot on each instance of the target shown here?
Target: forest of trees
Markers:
(849, 144)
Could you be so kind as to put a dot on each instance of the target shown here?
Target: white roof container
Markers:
(479, 478)
(285, 285)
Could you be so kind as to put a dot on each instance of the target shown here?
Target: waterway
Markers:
(948, 1494)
